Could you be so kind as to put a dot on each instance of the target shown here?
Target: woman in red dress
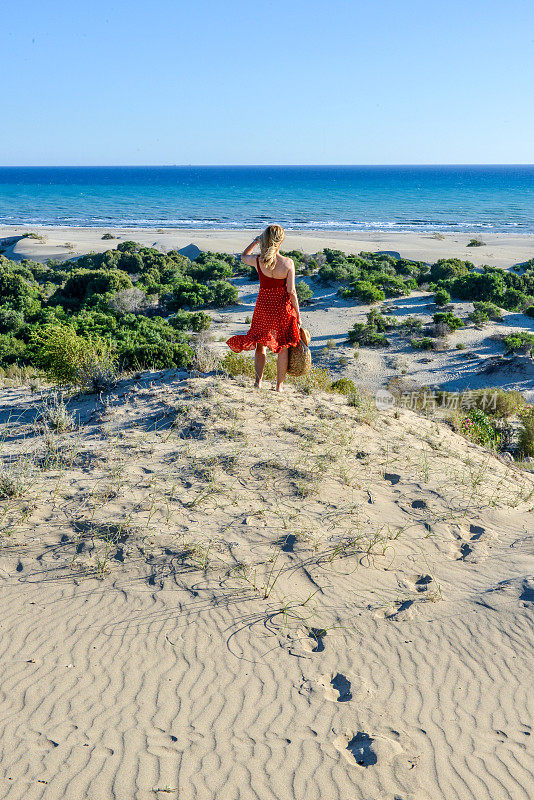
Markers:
(276, 319)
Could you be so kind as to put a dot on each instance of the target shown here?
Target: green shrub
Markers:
(11, 321)
(12, 350)
(449, 319)
(529, 311)
(191, 294)
(108, 236)
(69, 358)
(484, 311)
(364, 291)
(17, 285)
(82, 283)
(475, 243)
(526, 437)
(442, 297)
(190, 321)
(371, 333)
(209, 267)
(478, 317)
(477, 426)
(426, 343)
(447, 268)
(521, 342)
(317, 379)
(516, 300)
(501, 403)
(412, 324)
(366, 336)
(304, 292)
(489, 286)
(343, 386)
(381, 322)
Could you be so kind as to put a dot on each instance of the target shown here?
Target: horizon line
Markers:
(233, 166)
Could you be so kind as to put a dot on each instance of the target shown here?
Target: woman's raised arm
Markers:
(248, 250)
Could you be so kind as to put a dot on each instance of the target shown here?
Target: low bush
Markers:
(526, 437)
(16, 478)
(343, 386)
(426, 343)
(367, 336)
(56, 416)
(381, 322)
(371, 333)
(449, 319)
(68, 358)
(521, 342)
(304, 292)
(364, 291)
(317, 379)
(411, 325)
(492, 311)
(477, 426)
(190, 321)
(131, 301)
(442, 297)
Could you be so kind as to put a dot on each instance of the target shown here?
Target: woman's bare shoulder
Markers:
(285, 262)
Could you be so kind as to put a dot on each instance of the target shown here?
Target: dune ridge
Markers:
(214, 592)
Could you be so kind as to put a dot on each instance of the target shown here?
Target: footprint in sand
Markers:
(362, 749)
(419, 504)
(287, 543)
(358, 747)
(337, 688)
(506, 593)
(317, 635)
(472, 544)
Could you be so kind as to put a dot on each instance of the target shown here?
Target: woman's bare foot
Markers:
(280, 388)
(257, 383)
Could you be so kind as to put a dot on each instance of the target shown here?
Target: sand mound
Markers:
(211, 592)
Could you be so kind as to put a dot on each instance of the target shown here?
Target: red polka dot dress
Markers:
(274, 322)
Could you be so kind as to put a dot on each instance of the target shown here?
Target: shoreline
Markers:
(500, 249)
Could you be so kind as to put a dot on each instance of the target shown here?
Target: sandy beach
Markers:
(60, 243)
(218, 593)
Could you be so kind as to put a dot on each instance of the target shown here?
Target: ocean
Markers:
(423, 198)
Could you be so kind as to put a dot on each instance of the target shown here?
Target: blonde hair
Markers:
(270, 241)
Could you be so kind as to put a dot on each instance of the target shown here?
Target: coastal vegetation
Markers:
(85, 320)
(132, 306)
(371, 277)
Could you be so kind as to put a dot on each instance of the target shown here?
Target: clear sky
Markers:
(270, 82)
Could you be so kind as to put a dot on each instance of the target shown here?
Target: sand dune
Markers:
(210, 592)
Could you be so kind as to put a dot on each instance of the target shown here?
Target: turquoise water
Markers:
(448, 198)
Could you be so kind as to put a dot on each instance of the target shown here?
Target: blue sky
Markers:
(293, 82)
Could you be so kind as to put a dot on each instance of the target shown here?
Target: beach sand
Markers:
(215, 593)
(500, 249)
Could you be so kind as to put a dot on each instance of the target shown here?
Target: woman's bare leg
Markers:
(259, 364)
(281, 368)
